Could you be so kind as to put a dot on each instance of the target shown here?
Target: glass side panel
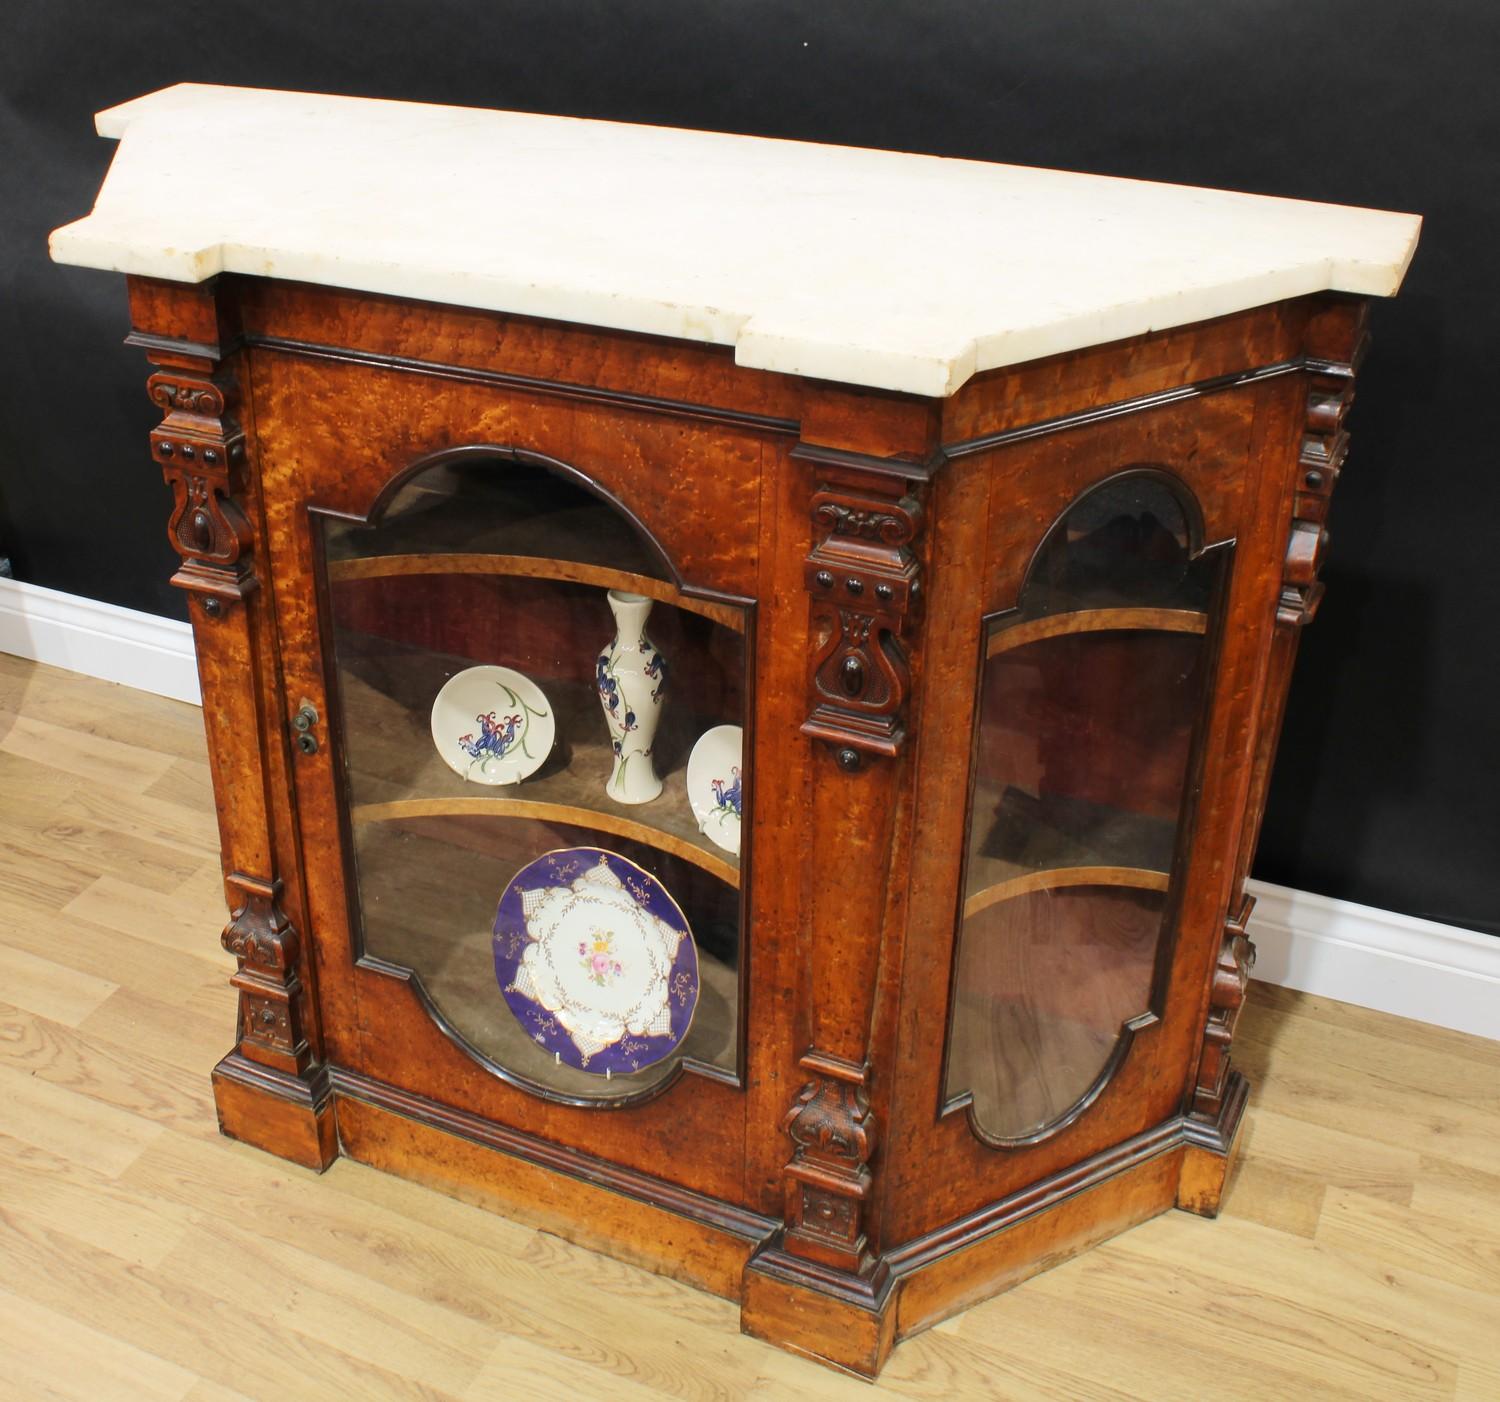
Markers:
(617, 957)
(1089, 699)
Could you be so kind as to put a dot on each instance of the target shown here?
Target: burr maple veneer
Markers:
(1006, 610)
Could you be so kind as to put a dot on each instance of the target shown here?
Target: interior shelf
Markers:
(506, 519)
(549, 811)
(536, 567)
(396, 774)
(1038, 844)
(1056, 878)
(1096, 620)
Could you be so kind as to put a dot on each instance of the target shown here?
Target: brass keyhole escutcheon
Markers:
(303, 723)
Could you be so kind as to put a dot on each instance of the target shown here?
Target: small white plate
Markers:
(713, 784)
(492, 725)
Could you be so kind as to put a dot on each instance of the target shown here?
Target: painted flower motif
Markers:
(495, 737)
(656, 669)
(597, 960)
(609, 693)
(727, 796)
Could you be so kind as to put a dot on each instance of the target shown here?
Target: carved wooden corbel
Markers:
(864, 580)
(828, 1178)
(1301, 589)
(1325, 445)
(1226, 998)
(261, 937)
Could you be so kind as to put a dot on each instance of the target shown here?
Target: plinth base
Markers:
(1210, 1150)
(852, 1324)
(282, 1114)
(847, 1322)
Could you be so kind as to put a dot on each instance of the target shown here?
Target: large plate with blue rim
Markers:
(596, 961)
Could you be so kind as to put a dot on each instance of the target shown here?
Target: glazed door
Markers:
(1114, 646)
(523, 795)
(514, 764)
(1092, 696)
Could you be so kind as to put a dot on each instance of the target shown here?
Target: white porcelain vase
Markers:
(632, 679)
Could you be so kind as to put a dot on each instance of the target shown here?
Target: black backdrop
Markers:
(1389, 775)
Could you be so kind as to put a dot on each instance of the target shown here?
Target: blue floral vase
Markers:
(632, 679)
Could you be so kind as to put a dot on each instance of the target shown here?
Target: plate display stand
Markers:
(978, 547)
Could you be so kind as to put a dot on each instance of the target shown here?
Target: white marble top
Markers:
(896, 271)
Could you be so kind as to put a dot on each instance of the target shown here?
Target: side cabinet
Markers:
(1007, 670)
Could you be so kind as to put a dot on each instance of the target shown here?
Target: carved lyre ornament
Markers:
(863, 578)
(828, 1179)
(199, 449)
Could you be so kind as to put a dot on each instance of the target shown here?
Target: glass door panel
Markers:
(1090, 696)
(617, 959)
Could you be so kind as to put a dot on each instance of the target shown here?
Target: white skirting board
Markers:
(1400, 964)
(1353, 953)
(101, 640)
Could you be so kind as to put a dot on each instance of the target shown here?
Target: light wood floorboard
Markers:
(141, 1256)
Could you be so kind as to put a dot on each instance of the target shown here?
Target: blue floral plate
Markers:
(713, 785)
(596, 961)
(492, 725)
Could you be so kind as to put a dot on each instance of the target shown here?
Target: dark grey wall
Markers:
(1386, 789)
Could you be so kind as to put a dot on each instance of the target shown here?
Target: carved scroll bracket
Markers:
(265, 943)
(200, 450)
(828, 1178)
(1226, 998)
(865, 584)
(1325, 444)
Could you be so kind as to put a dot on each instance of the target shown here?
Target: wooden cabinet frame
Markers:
(871, 534)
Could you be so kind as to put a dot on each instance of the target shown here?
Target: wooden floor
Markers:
(142, 1256)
